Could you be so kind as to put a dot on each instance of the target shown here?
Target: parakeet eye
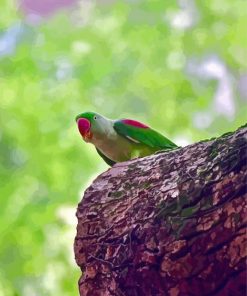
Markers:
(95, 117)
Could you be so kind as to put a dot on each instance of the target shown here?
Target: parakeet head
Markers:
(90, 124)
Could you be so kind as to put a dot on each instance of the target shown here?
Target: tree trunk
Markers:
(167, 224)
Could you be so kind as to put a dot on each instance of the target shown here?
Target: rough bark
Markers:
(168, 224)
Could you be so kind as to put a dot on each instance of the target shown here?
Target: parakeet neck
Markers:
(107, 133)
(109, 130)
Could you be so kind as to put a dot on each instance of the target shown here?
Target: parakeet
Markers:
(120, 140)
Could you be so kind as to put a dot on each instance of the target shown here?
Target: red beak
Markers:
(84, 126)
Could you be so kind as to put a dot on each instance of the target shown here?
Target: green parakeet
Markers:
(120, 140)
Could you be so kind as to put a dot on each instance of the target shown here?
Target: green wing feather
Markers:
(106, 159)
(144, 135)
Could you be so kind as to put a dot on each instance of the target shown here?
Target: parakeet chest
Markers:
(113, 146)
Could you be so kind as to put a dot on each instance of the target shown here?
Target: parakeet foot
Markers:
(165, 150)
(161, 151)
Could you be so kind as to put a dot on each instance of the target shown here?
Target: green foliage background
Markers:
(122, 59)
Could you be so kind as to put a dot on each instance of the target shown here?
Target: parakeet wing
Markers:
(140, 133)
(106, 159)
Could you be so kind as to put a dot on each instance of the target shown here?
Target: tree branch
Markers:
(168, 224)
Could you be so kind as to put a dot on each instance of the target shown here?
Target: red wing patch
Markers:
(134, 123)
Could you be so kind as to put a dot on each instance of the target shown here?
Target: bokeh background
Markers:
(179, 66)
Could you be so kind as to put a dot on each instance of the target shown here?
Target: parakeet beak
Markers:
(84, 126)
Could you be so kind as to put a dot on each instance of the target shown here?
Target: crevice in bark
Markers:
(233, 276)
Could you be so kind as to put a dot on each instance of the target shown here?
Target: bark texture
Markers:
(168, 224)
